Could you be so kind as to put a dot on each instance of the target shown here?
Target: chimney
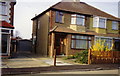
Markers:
(70, 0)
(76, 0)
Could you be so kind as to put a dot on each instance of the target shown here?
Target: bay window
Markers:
(99, 22)
(78, 19)
(80, 42)
(108, 41)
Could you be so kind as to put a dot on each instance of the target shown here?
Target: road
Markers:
(78, 73)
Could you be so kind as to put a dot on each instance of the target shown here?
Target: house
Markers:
(6, 25)
(70, 27)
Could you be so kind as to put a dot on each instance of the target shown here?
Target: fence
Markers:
(103, 57)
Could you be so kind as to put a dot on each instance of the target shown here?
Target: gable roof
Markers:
(5, 24)
(79, 7)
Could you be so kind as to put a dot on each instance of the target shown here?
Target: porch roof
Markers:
(5, 24)
(63, 29)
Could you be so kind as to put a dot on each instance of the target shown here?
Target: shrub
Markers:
(82, 57)
(100, 45)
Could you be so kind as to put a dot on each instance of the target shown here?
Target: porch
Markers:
(68, 44)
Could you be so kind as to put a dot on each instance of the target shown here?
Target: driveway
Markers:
(25, 60)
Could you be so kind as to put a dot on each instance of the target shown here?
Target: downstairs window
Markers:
(81, 42)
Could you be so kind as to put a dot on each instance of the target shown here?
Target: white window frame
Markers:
(74, 18)
(97, 19)
(114, 27)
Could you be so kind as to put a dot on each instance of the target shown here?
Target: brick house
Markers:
(6, 25)
(70, 27)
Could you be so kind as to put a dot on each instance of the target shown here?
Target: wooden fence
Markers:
(103, 57)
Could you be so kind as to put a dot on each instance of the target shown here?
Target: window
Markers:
(99, 22)
(80, 42)
(108, 41)
(102, 23)
(3, 8)
(114, 25)
(78, 19)
(59, 17)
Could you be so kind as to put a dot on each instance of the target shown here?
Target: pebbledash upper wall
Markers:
(8, 17)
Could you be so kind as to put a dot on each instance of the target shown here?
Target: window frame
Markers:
(75, 17)
(97, 20)
(75, 39)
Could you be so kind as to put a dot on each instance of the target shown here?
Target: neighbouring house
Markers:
(70, 27)
(6, 25)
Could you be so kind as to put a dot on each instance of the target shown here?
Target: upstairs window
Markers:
(59, 17)
(3, 8)
(114, 25)
(102, 23)
(99, 22)
(78, 19)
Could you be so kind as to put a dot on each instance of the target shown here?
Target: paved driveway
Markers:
(28, 60)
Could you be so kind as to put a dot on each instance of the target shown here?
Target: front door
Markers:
(59, 43)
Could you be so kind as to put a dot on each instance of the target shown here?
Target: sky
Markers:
(25, 10)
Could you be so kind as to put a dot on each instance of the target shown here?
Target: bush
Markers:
(82, 57)
(101, 45)
(69, 57)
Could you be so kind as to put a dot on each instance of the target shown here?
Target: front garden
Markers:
(99, 53)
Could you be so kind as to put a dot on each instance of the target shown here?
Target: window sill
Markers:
(99, 27)
(59, 22)
(115, 29)
(78, 49)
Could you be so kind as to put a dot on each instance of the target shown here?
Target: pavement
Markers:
(27, 64)
(115, 71)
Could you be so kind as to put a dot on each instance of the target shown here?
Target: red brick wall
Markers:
(12, 13)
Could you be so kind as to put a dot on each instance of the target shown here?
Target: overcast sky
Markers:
(25, 10)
